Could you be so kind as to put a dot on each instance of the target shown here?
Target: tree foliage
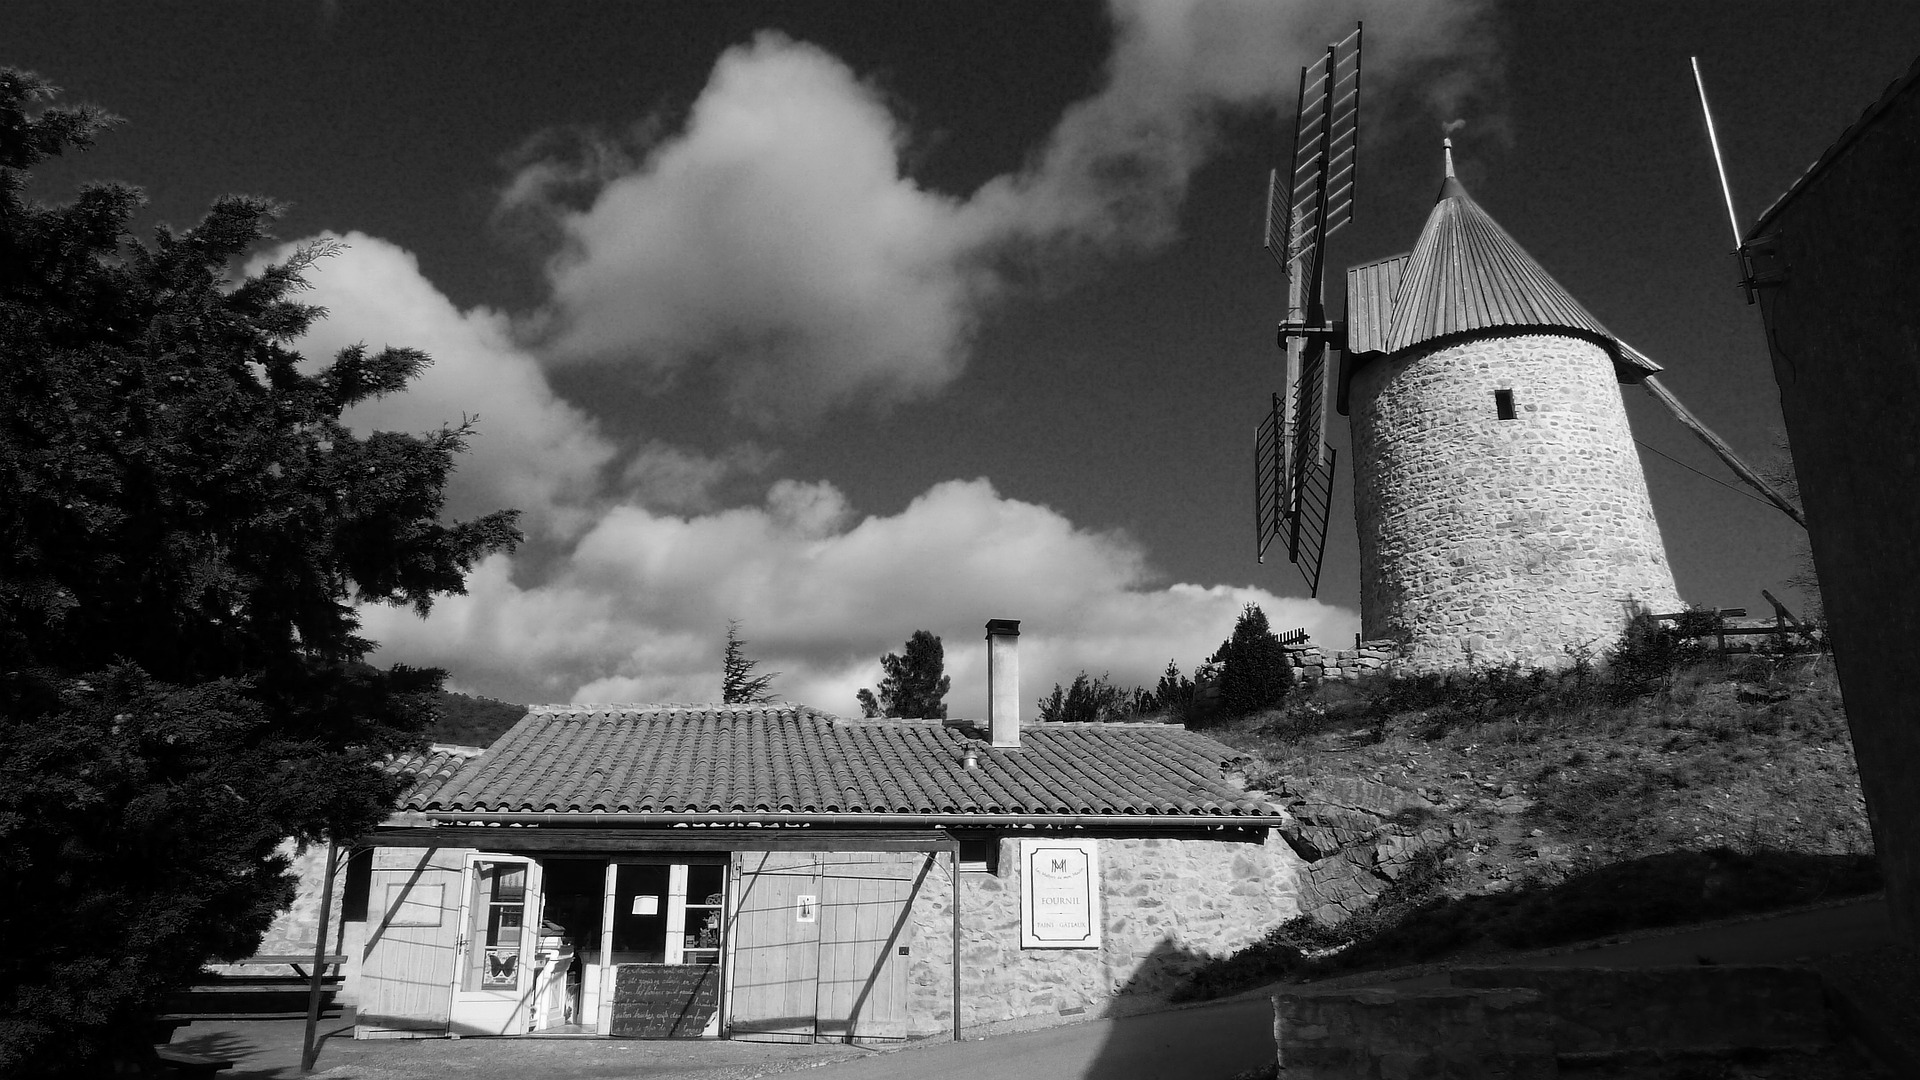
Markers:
(738, 684)
(1253, 673)
(1095, 700)
(913, 683)
(1174, 693)
(473, 721)
(187, 529)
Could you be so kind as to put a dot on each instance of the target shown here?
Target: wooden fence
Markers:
(1805, 634)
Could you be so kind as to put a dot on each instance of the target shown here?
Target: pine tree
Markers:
(913, 683)
(738, 684)
(1254, 673)
(187, 529)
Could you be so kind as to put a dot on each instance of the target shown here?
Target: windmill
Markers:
(1293, 464)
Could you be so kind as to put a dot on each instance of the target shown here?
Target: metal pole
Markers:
(954, 854)
(1714, 138)
(307, 1050)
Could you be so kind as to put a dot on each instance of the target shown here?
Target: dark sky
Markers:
(1041, 395)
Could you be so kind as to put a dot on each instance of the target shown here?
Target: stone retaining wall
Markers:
(1525, 1022)
(1373, 1034)
(1168, 903)
(1695, 1007)
(1311, 664)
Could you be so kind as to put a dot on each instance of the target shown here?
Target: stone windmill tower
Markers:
(1500, 503)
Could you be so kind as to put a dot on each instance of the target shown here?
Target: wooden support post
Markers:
(307, 1050)
(954, 854)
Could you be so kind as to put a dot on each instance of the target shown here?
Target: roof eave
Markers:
(1274, 819)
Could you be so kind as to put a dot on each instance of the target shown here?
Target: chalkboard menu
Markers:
(664, 1001)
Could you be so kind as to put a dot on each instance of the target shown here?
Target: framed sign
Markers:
(1059, 894)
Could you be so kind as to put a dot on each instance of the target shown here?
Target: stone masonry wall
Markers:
(1166, 903)
(1486, 541)
(1311, 664)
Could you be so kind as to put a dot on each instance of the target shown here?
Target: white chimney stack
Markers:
(1003, 681)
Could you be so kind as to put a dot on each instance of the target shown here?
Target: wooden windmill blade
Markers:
(1293, 463)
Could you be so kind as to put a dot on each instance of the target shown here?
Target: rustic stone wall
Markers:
(1167, 903)
(1487, 541)
(1690, 1007)
(1378, 1034)
(297, 929)
(1312, 664)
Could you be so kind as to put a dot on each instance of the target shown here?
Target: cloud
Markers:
(662, 476)
(639, 612)
(778, 238)
(531, 450)
(775, 238)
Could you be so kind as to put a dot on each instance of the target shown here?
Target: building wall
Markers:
(1844, 331)
(296, 930)
(1168, 903)
(1488, 541)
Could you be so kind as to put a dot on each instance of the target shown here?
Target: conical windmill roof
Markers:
(1467, 274)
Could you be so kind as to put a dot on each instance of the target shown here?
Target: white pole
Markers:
(1718, 163)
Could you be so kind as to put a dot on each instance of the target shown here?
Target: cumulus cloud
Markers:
(531, 450)
(778, 237)
(639, 612)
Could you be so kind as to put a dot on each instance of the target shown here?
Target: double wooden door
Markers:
(821, 945)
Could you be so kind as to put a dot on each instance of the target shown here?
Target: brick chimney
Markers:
(1003, 681)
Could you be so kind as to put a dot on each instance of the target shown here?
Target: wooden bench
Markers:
(332, 960)
(183, 1063)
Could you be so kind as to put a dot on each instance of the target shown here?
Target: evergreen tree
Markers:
(913, 683)
(1254, 673)
(738, 684)
(1174, 692)
(1088, 701)
(186, 530)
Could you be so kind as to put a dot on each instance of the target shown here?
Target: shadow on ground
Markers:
(1671, 889)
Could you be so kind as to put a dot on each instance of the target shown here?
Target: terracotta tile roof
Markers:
(430, 769)
(757, 761)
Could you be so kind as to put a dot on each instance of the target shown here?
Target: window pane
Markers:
(704, 884)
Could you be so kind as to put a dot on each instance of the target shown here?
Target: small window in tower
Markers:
(1503, 403)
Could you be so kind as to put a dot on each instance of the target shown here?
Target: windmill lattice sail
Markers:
(1293, 463)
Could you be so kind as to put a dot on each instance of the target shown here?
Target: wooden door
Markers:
(775, 940)
(493, 982)
(865, 938)
(413, 922)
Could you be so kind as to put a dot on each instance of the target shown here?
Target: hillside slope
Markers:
(1509, 809)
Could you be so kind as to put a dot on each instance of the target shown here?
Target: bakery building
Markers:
(777, 872)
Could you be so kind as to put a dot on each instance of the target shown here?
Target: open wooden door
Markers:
(494, 975)
(413, 923)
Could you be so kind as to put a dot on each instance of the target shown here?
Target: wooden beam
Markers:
(1719, 447)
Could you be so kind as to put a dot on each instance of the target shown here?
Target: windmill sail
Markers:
(1309, 204)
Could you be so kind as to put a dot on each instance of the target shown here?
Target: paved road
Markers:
(1211, 1042)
